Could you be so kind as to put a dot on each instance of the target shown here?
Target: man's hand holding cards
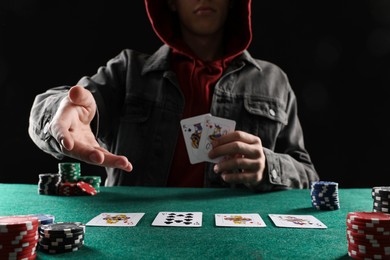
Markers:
(200, 131)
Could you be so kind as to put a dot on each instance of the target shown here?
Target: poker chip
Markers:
(381, 197)
(44, 219)
(69, 171)
(368, 235)
(48, 183)
(68, 181)
(94, 181)
(76, 189)
(62, 227)
(18, 237)
(324, 195)
(61, 237)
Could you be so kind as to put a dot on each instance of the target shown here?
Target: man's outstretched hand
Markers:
(71, 128)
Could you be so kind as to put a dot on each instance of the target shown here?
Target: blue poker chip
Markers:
(324, 195)
(44, 219)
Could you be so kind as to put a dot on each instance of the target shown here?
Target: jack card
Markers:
(192, 131)
(296, 221)
(239, 220)
(178, 219)
(116, 219)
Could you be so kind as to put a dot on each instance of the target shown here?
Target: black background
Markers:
(336, 54)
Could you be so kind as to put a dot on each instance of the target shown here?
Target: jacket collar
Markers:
(160, 60)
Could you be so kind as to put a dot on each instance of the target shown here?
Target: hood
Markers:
(238, 32)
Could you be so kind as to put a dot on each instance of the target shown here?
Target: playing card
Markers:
(239, 220)
(178, 219)
(192, 131)
(116, 219)
(214, 127)
(296, 221)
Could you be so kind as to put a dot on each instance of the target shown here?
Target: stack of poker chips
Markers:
(69, 171)
(18, 237)
(48, 183)
(73, 183)
(368, 235)
(68, 181)
(324, 195)
(61, 237)
(381, 196)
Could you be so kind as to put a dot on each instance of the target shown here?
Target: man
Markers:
(132, 107)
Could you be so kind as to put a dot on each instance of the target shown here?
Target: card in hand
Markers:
(296, 221)
(178, 219)
(192, 131)
(239, 220)
(116, 219)
(214, 127)
(199, 131)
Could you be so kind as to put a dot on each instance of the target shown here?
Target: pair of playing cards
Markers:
(200, 131)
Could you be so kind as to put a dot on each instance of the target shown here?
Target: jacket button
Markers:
(272, 112)
(274, 174)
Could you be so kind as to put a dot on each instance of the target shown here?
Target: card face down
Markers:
(178, 219)
(296, 221)
(239, 220)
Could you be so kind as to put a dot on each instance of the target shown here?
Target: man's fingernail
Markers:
(93, 158)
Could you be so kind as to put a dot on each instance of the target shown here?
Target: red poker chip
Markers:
(11, 225)
(22, 255)
(370, 217)
(18, 221)
(86, 188)
(369, 244)
(18, 235)
(367, 230)
(19, 254)
(369, 250)
(20, 242)
(356, 255)
(368, 236)
(378, 243)
(368, 224)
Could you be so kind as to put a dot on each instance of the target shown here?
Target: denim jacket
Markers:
(140, 104)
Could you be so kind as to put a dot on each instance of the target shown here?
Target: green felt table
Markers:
(145, 241)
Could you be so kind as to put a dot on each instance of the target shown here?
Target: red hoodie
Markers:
(196, 77)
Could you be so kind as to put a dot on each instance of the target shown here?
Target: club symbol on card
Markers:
(195, 133)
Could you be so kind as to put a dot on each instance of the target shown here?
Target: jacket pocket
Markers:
(266, 108)
(264, 118)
